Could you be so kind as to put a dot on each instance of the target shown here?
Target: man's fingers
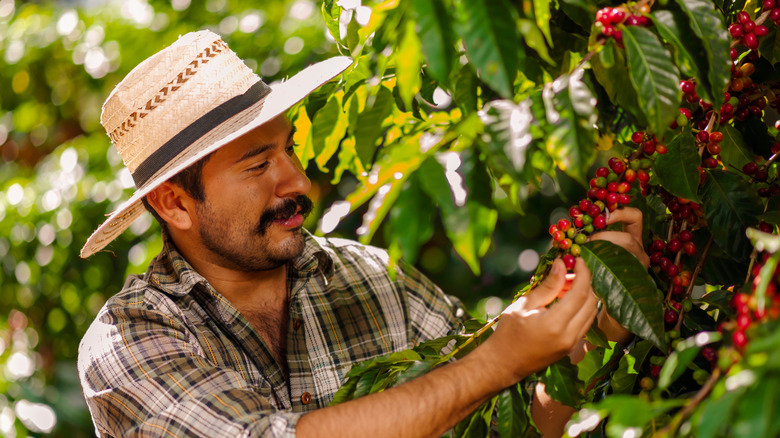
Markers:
(577, 296)
(549, 288)
(625, 240)
(631, 219)
(582, 321)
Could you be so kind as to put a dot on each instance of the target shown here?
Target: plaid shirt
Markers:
(170, 356)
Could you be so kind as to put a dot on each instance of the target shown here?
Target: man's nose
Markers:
(293, 180)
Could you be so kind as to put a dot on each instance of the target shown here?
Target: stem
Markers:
(471, 337)
(698, 267)
(585, 59)
(695, 401)
(709, 127)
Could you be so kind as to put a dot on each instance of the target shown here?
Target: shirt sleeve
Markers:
(432, 313)
(141, 376)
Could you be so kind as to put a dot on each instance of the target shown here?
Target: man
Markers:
(245, 324)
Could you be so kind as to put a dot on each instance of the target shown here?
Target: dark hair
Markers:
(189, 179)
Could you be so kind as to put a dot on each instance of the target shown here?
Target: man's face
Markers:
(255, 200)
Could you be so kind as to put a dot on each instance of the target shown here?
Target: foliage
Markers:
(680, 96)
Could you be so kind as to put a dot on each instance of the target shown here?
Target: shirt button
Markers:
(297, 324)
(306, 398)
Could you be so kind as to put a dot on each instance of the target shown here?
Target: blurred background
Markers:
(59, 177)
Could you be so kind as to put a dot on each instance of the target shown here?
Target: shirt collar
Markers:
(171, 272)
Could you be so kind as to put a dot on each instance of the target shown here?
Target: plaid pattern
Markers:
(169, 356)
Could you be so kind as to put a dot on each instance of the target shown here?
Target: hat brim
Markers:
(281, 98)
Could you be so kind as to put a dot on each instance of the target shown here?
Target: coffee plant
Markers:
(463, 108)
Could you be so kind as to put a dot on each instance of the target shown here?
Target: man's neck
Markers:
(241, 288)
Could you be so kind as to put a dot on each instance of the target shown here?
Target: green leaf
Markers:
(594, 361)
(331, 119)
(534, 39)
(717, 413)
(561, 382)
(625, 377)
(734, 152)
(678, 168)
(490, 37)
(609, 67)
(410, 224)
(770, 46)
(465, 93)
(626, 288)
(719, 299)
(369, 125)
(688, 51)
(512, 417)
(414, 371)
(542, 16)
(408, 61)
(759, 405)
(569, 107)
(433, 26)
(470, 226)
(331, 13)
(722, 267)
(654, 77)
(729, 207)
(767, 276)
(707, 24)
(507, 129)
(683, 355)
(596, 337)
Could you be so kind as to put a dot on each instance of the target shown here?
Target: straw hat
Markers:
(184, 103)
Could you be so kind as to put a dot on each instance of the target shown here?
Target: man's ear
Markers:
(175, 206)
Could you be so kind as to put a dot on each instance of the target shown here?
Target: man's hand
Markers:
(631, 239)
(531, 336)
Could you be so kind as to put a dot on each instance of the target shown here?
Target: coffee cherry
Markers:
(686, 236)
(750, 168)
(716, 136)
(709, 163)
(739, 338)
(569, 261)
(760, 31)
(713, 148)
(565, 244)
(630, 176)
(672, 270)
(689, 248)
(743, 321)
(637, 137)
(702, 136)
(661, 149)
(670, 316)
(751, 41)
(736, 30)
(761, 175)
(599, 222)
(655, 370)
(709, 353)
(624, 199)
(674, 246)
(580, 239)
(646, 383)
(602, 172)
(564, 225)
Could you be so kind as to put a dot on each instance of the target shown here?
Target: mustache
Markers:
(284, 210)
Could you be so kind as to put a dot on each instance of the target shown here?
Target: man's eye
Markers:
(260, 166)
(291, 148)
